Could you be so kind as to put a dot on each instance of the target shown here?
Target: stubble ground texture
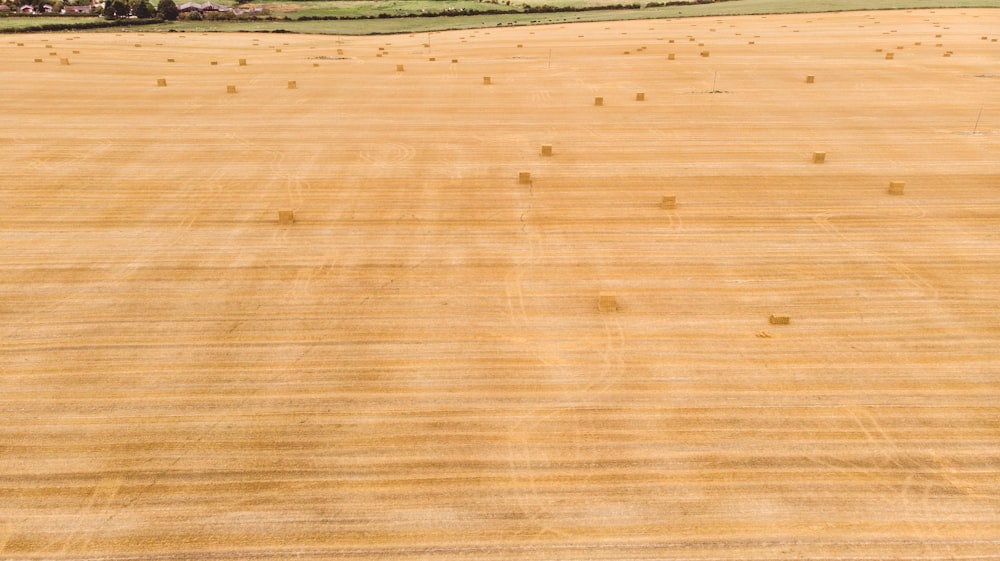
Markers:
(416, 367)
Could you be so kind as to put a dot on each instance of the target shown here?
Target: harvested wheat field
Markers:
(362, 316)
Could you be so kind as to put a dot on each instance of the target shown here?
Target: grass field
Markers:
(417, 368)
(412, 25)
(362, 9)
(11, 23)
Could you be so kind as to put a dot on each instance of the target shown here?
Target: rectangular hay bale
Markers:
(779, 320)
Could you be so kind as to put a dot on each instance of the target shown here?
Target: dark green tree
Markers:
(142, 9)
(167, 10)
(115, 9)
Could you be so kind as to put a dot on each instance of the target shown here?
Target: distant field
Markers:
(11, 23)
(296, 16)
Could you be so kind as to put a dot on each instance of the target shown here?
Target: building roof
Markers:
(206, 7)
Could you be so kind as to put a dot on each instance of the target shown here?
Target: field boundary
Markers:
(543, 14)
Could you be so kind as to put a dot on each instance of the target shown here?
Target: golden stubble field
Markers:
(417, 368)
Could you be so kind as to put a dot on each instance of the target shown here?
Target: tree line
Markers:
(142, 9)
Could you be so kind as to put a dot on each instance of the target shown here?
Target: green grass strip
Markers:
(373, 26)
